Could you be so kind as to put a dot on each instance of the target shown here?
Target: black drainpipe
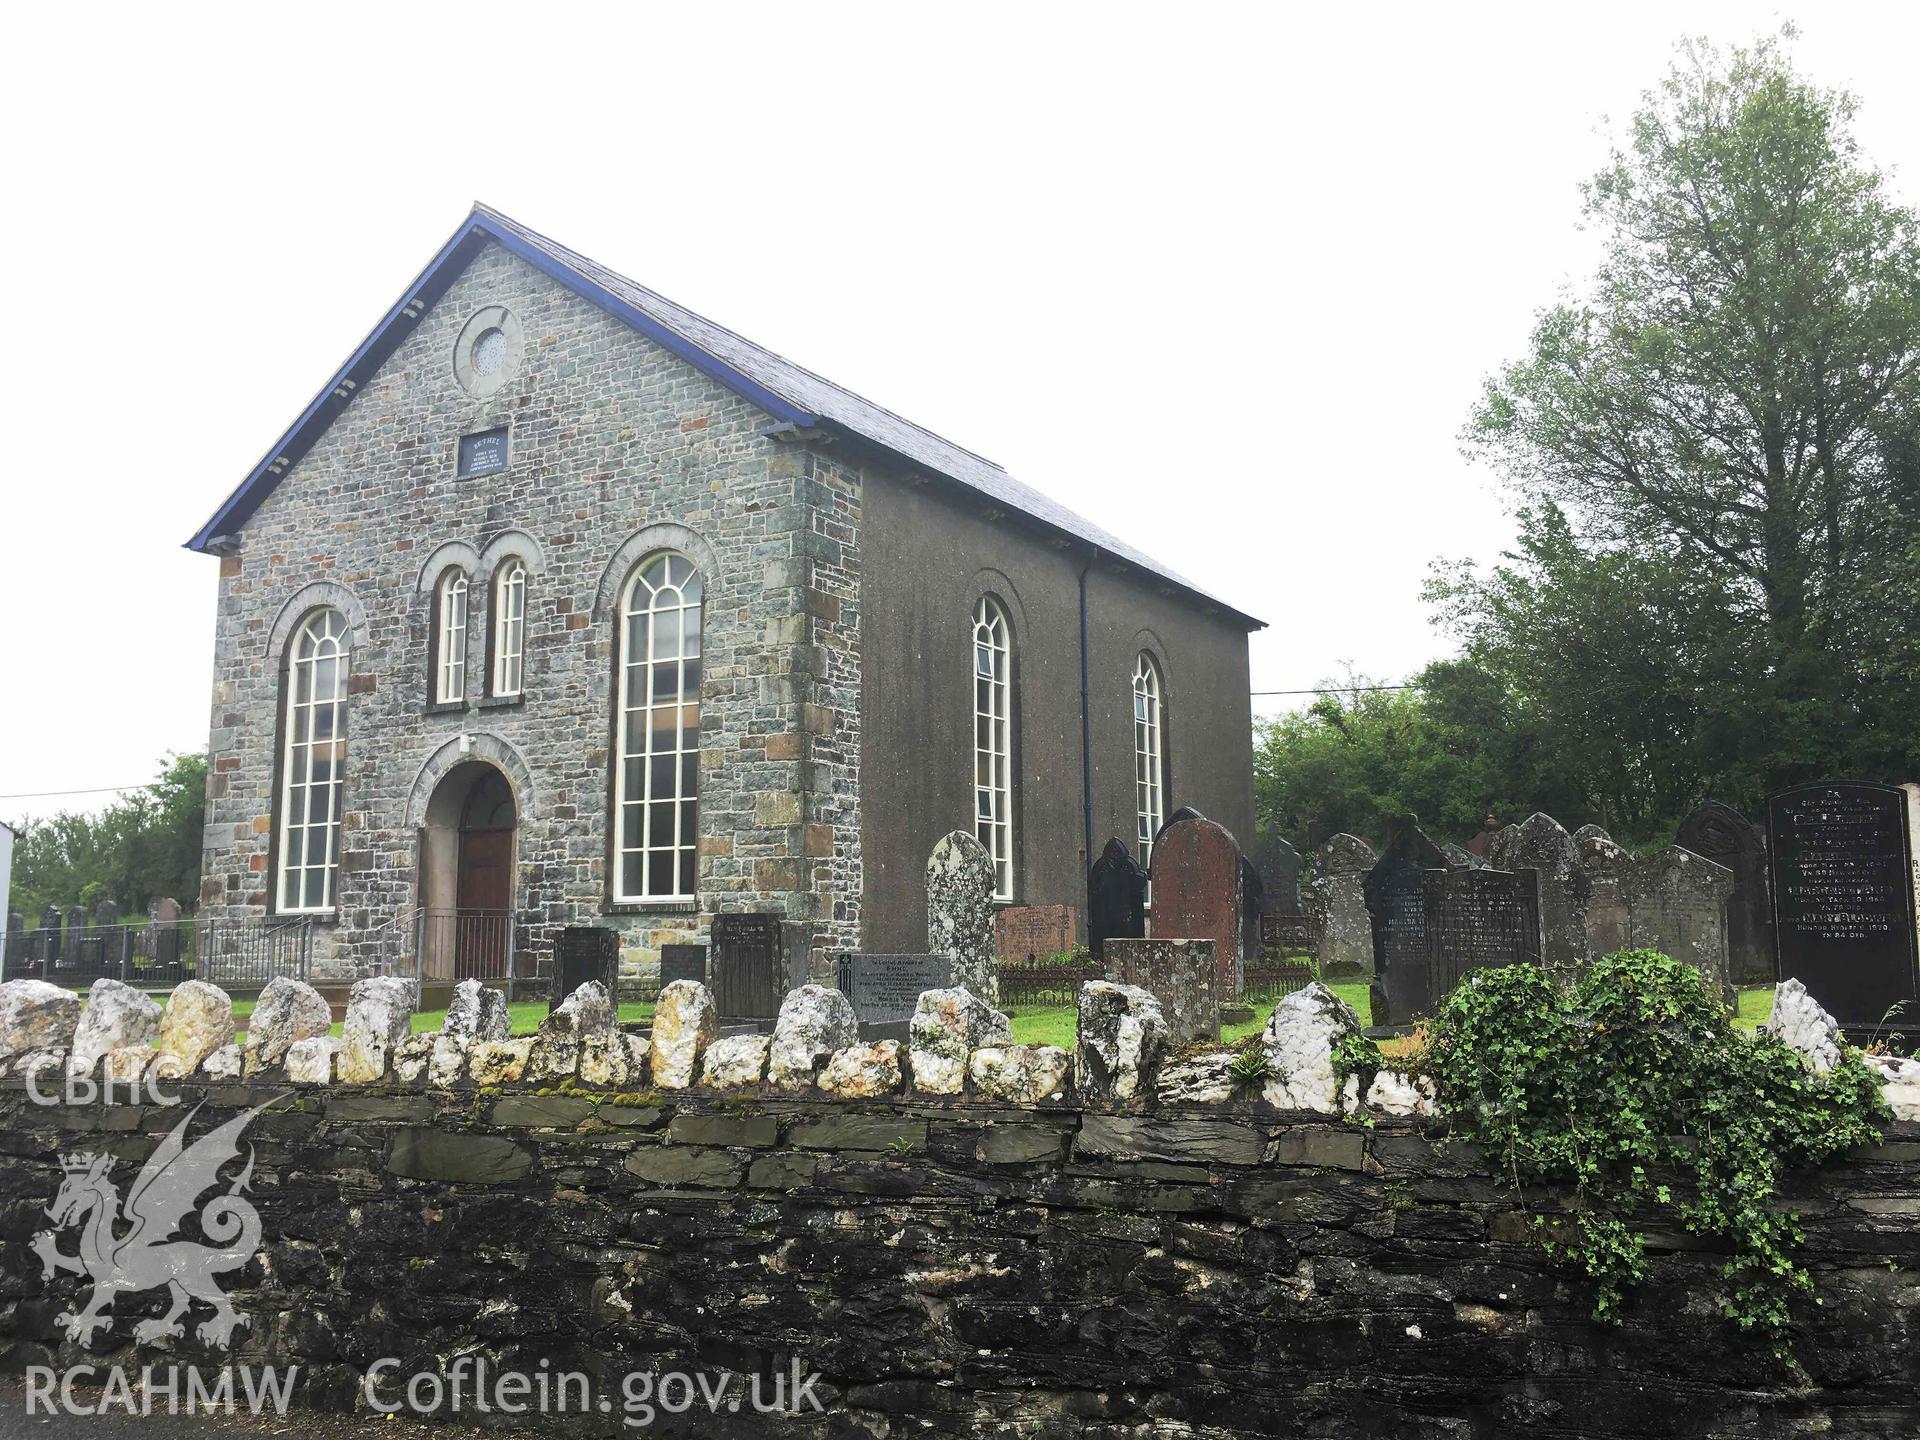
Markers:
(1086, 718)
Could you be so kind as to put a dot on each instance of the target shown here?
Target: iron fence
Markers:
(161, 954)
(1267, 981)
(1024, 983)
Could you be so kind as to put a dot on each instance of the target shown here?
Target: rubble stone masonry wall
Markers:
(950, 1267)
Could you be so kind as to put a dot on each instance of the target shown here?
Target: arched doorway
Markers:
(467, 876)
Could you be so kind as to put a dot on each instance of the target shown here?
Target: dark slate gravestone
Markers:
(884, 989)
(1725, 836)
(1252, 907)
(683, 961)
(1185, 812)
(1395, 891)
(1478, 918)
(47, 940)
(583, 953)
(1198, 880)
(77, 945)
(1843, 902)
(164, 941)
(1116, 899)
(1279, 866)
(757, 959)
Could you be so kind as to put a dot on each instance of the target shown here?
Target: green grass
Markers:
(1054, 1024)
(525, 1015)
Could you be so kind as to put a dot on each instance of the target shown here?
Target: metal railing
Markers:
(162, 954)
(429, 944)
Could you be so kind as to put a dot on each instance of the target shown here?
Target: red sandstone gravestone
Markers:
(1197, 895)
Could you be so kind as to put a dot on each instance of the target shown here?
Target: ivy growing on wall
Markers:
(1635, 1088)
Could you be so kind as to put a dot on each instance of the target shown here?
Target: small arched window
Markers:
(656, 778)
(509, 627)
(313, 763)
(993, 740)
(1148, 765)
(450, 638)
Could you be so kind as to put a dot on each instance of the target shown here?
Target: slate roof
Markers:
(790, 392)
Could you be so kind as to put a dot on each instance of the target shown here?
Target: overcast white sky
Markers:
(1223, 278)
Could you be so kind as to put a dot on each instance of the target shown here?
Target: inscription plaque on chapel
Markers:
(483, 454)
(1843, 898)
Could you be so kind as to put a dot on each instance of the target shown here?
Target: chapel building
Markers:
(561, 605)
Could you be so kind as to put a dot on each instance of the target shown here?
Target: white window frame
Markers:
(1149, 751)
(313, 763)
(664, 682)
(509, 628)
(993, 740)
(450, 648)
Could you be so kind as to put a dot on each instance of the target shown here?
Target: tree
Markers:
(1723, 431)
(144, 846)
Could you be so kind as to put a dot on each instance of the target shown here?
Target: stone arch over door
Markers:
(468, 808)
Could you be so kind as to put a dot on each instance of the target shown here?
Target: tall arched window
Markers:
(993, 741)
(450, 637)
(1148, 769)
(657, 765)
(313, 763)
(509, 626)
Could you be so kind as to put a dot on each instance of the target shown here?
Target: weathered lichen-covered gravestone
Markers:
(1542, 845)
(1843, 897)
(960, 911)
(1395, 892)
(1339, 877)
(1609, 872)
(1180, 974)
(1279, 866)
(1722, 834)
(1116, 898)
(1679, 905)
(1199, 894)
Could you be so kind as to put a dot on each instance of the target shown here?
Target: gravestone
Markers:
(78, 947)
(885, 989)
(960, 911)
(47, 941)
(756, 960)
(1179, 974)
(1913, 845)
(1339, 876)
(1034, 932)
(1679, 907)
(1253, 904)
(1198, 894)
(107, 912)
(1609, 872)
(1540, 844)
(683, 960)
(15, 954)
(1589, 831)
(1477, 918)
(583, 953)
(1395, 891)
(1843, 897)
(1722, 834)
(1461, 858)
(1185, 812)
(164, 930)
(1116, 899)
(1279, 866)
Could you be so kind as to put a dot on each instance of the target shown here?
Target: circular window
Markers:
(488, 351)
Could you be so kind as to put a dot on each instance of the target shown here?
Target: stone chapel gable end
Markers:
(555, 607)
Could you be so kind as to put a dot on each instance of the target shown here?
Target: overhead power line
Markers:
(94, 790)
(1335, 689)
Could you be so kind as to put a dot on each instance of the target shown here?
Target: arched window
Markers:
(313, 763)
(1148, 767)
(657, 763)
(450, 637)
(993, 741)
(509, 626)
